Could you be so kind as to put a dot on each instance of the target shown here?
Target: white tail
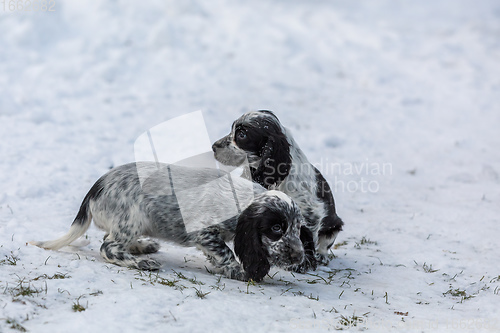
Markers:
(78, 228)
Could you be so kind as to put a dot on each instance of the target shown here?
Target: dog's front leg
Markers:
(309, 263)
(219, 254)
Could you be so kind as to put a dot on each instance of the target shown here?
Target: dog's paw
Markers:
(309, 264)
(148, 265)
(236, 272)
(321, 259)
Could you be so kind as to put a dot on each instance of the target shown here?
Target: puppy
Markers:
(277, 162)
(143, 199)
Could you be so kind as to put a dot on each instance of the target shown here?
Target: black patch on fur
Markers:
(266, 140)
(331, 223)
(94, 192)
(306, 237)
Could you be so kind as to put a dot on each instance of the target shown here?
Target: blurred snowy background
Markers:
(413, 86)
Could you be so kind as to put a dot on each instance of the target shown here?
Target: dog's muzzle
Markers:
(228, 154)
(296, 249)
(221, 143)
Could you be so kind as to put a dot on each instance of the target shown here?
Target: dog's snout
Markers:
(297, 251)
(219, 144)
(297, 256)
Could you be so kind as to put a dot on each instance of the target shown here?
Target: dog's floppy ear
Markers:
(248, 245)
(275, 160)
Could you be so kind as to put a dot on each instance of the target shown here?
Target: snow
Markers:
(413, 85)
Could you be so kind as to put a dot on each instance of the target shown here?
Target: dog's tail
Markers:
(80, 225)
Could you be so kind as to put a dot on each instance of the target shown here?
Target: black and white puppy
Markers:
(266, 231)
(277, 162)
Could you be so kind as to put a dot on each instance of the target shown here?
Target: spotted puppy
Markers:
(277, 162)
(265, 232)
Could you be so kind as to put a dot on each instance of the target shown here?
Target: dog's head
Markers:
(268, 233)
(259, 138)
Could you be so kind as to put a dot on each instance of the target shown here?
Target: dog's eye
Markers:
(276, 229)
(241, 134)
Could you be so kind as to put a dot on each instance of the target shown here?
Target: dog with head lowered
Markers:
(266, 230)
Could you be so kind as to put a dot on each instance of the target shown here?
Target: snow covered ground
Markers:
(396, 101)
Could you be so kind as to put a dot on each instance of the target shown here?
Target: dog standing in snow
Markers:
(265, 232)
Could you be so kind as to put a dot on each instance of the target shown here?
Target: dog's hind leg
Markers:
(144, 246)
(117, 253)
(326, 237)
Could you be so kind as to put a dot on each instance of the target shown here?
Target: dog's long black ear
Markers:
(248, 245)
(275, 160)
